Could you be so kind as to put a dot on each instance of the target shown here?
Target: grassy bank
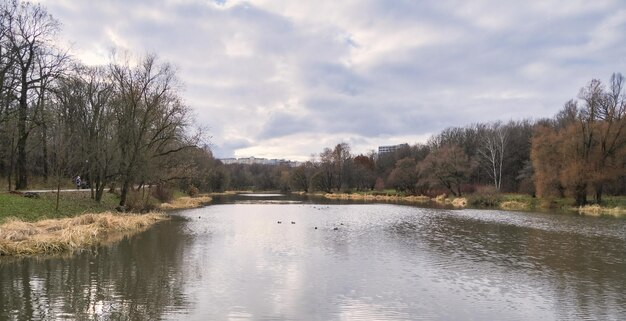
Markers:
(185, 202)
(612, 205)
(31, 225)
(70, 204)
(389, 197)
(378, 197)
(51, 236)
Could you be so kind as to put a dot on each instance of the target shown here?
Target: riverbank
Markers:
(458, 202)
(39, 206)
(50, 236)
(615, 206)
(186, 202)
(30, 224)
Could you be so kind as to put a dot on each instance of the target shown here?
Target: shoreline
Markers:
(457, 202)
(60, 235)
(48, 236)
(465, 202)
(186, 202)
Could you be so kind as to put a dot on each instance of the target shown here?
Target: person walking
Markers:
(78, 182)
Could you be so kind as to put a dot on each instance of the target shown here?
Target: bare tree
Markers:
(151, 119)
(492, 150)
(31, 35)
(324, 178)
(85, 98)
(341, 164)
(447, 166)
(300, 177)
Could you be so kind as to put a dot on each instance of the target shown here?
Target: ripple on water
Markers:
(363, 262)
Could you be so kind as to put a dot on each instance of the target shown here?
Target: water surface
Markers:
(363, 262)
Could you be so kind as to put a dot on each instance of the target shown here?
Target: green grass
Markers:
(614, 201)
(179, 194)
(70, 204)
(35, 183)
(391, 192)
(559, 204)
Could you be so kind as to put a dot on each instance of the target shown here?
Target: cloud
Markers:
(285, 79)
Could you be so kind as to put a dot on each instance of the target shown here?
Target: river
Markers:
(234, 261)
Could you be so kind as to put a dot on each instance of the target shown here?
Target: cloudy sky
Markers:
(284, 79)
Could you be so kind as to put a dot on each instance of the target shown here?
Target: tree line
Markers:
(579, 153)
(124, 125)
(119, 125)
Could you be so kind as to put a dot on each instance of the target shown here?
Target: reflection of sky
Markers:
(281, 79)
(385, 263)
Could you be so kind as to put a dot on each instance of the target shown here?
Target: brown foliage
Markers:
(585, 147)
(447, 166)
(404, 176)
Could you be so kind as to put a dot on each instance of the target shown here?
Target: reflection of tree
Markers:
(137, 278)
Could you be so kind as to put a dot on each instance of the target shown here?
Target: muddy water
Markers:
(363, 262)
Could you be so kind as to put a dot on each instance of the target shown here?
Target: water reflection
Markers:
(262, 195)
(363, 262)
(136, 279)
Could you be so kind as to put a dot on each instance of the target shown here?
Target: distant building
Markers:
(229, 160)
(391, 148)
(262, 161)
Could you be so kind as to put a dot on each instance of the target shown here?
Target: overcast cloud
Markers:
(283, 79)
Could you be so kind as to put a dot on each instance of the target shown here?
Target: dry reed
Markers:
(372, 197)
(513, 205)
(441, 199)
(597, 210)
(459, 202)
(67, 234)
(186, 202)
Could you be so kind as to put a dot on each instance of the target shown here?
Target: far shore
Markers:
(504, 202)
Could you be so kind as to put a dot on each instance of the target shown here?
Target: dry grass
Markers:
(597, 210)
(186, 202)
(459, 202)
(228, 193)
(372, 197)
(67, 234)
(513, 205)
(441, 199)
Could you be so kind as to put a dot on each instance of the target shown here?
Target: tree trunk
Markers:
(99, 192)
(124, 192)
(45, 154)
(599, 190)
(58, 190)
(21, 178)
(580, 194)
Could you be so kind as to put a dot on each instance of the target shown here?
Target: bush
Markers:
(136, 201)
(380, 184)
(163, 193)
(193, 191)
(485, 196)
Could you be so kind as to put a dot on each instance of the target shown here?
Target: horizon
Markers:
(285, 80)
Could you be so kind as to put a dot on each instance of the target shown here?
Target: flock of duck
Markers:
(292, 222)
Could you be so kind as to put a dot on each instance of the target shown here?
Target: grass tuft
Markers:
(513, 205)
(597, 210)
(186, 202)
(459, 202)
(66, 234)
